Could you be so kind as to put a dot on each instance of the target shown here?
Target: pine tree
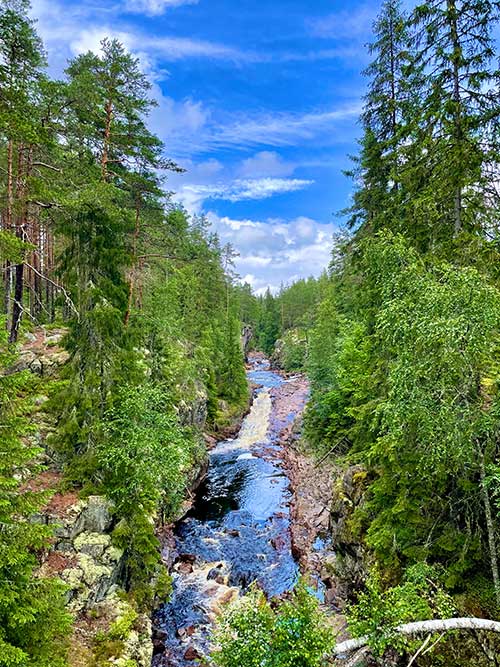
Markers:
(21, 60)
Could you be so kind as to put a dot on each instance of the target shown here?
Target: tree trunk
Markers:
(421, 628)
(23, 172)
(490, 529)
(8, 225)
(456, 60)
(17, 308)
(107, 137)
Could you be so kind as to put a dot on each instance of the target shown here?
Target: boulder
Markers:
(96, 517)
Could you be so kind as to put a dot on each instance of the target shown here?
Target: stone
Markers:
(192, 654)
(36, 367)
(183, 568)
(214, 572)
(96, 516)
(187, 558)
(92, 544)
(92, 571)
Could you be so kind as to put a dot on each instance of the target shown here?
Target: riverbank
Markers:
(312, 488)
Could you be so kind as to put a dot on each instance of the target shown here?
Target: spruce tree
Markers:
(450, 125)
(378, 165)
(33, 624)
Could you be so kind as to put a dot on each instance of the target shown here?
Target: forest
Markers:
(140, 305)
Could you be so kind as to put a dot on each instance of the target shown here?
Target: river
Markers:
(236, 533)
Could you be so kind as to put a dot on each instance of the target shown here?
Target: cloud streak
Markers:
(154, 7)
(193, 195)
(345, 24)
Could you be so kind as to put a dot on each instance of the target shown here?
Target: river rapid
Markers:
(237, 531)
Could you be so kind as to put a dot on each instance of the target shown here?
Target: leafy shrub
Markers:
(290, 633)
(378, 611)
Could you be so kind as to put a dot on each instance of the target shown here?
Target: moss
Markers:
(123, 625)
(110, 646)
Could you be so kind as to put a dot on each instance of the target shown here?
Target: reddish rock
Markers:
(192, 654)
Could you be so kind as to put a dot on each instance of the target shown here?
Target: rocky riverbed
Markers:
(260, 515)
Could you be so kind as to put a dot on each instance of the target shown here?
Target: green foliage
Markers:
(33, 623)
(291, 633)
(109, 646)
(142, 443)
(379, 610)
(294, 344)
(11, 247)
(268, 326)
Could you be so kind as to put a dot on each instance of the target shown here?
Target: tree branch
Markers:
(47, 166)
(57, 286)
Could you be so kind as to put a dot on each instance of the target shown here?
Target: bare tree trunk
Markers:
(107, 138)
(490, 529)
(8, 225)
(23, 173)
(36, 305)
(422, 628)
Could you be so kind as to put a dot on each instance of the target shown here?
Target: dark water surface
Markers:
(236, 533)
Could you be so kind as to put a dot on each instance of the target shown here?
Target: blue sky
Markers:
(259, 101)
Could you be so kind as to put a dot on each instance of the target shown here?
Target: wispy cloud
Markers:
(281, 129)
(167, 48)
(243, 189)
(154, 7)
(76, 29)
(345, 24)
(176, 48)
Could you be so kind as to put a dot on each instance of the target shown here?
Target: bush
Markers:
(378, 611)
(290, 633)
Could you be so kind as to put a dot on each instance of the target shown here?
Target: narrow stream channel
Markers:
(237, 532)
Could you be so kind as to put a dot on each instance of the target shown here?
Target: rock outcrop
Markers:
(82, 553)
(84, 557)
(348, 569)
(42, 353)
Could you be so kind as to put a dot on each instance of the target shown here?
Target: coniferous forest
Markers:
(122, 364)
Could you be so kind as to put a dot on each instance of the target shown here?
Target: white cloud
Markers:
(168, 48)
(176, 48)
(244, 189)
(266, 163)
(282, 129)
(217, 130)
(155, 7)
(276, 251)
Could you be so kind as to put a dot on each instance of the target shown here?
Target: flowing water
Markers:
(236, 533)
